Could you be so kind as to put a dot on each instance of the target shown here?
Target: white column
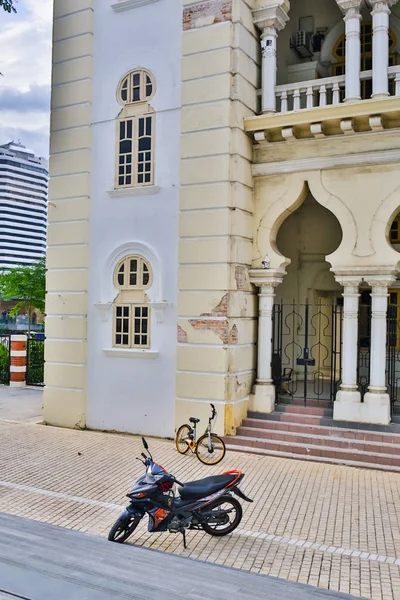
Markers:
(380, 47)
(352, 18)
(266, 307)
(270, 20)
(268, 69)
(353, 55)
(348, 398)
(377, 401)
(263, 397)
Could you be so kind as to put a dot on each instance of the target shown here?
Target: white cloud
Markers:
(25, 61)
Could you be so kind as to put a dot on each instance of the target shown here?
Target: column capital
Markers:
(266, 278)
(378, 282)
(348, 282)
(272, 14)
(381, 6)
(350, 8)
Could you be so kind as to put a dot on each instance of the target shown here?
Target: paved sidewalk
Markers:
(323, 525)
(21, 404)
(68, 565)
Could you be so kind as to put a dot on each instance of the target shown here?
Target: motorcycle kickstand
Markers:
(183, 532)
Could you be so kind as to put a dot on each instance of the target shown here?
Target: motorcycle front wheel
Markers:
(123, 528)
(223, 516)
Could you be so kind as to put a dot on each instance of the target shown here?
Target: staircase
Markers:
(309, 433)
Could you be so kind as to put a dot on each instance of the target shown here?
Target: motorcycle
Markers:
(206, 504)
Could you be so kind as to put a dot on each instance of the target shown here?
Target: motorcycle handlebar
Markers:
(178, 482)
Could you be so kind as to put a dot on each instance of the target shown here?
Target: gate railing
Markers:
(5, 346)
(307, 339)
(35, 362)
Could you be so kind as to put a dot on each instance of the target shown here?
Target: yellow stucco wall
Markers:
(64, 401)
(216, 305)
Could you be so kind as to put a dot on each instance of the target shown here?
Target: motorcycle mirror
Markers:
(145, 443)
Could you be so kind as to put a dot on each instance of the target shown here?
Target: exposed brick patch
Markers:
(233, 336)
(182, 335)
(207, 12)
(221, 310)
(219, 327)
(242, 280)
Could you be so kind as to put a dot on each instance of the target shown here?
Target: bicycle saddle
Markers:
(193, 420)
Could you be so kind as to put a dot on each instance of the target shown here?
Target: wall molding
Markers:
(128, 4)
(129, 353)
(145, 190)
(329, 162)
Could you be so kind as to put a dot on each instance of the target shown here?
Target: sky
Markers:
(25, 63)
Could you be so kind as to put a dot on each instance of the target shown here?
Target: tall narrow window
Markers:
(145, 151)
(132, 276)
(122, 326)
(135, 160)
(141, 327)
(125, 152)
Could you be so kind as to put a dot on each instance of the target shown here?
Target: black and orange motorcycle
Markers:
(208, 504)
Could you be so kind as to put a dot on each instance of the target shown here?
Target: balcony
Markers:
(317, 108)
(325, 92)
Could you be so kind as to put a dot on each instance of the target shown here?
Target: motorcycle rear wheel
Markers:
(123, 528)
(219, 506)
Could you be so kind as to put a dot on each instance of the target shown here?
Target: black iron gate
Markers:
(306, 347)
(393, 354)
(35, 362)
(5, 359)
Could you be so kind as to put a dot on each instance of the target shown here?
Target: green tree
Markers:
(8, 5)
(27, 285)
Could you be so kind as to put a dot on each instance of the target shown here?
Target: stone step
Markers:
(313, 411)
(300, 402)
(330, 439)
(310, 451)
(321, 430)
(393, 427)
(354, 462)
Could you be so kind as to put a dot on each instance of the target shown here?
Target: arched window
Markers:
(339, 53)
(133, 272)
(132, 277)
(135, 130)
(136, 86)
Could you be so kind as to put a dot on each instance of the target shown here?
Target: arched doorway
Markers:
(339, 55)
(307, 327)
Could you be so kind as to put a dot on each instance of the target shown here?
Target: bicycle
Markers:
(209, 445)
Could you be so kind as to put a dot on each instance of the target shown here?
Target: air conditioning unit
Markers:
(302, 44)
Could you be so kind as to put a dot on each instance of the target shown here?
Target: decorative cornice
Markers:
(266, 277)
(122, 5)
(352, 275)
(274, 16)
(327, 163)
(145, 190)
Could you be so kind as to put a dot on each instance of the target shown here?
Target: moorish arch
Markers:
(285, 194)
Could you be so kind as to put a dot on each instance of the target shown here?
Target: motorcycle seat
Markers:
(193, 490)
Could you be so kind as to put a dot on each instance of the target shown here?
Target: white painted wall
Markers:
(130, 394)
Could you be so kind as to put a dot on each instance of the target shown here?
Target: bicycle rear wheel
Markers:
(182, 438)
(210, 455)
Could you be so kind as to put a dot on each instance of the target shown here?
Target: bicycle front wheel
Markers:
(210, 454)
(182, 438)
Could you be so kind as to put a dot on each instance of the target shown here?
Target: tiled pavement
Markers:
(329, 526)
